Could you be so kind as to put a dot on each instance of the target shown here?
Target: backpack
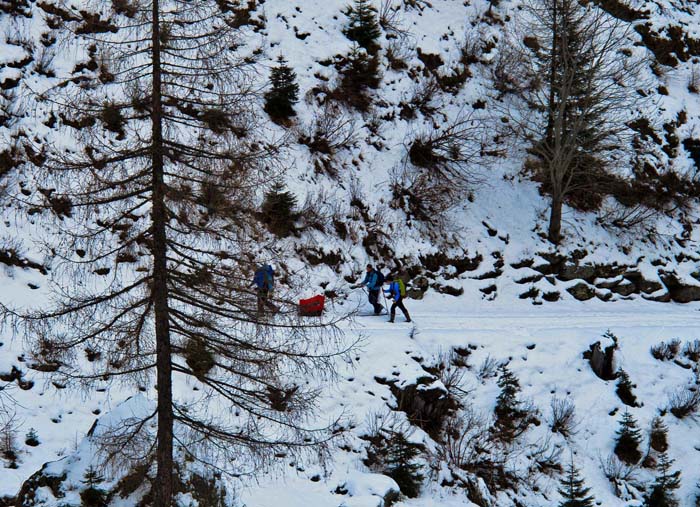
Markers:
(264, 277)
(380, 279)
(259, 278)
(402, 288)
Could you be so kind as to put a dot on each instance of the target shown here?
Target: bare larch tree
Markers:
(568, 80)
(152, 181)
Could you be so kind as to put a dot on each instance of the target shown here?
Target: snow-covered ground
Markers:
(543, 346)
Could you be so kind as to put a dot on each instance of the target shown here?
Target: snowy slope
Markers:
(501, 225)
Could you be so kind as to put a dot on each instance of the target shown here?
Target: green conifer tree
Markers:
(662, 492)
(401, 466)
(363, 26)
(92, 495)
(279, 210)
(283, 93)
(510, 417)
(358, 71)
(658, 438)
(573, 490)
(624, 389)
(628, 439)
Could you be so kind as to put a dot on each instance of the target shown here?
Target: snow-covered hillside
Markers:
(487, 288)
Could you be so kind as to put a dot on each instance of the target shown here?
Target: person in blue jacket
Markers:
(373, 281)
(264, 281)
(396, 290)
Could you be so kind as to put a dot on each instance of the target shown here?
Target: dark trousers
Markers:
(264, 301)
(373, 296)
(399, 303)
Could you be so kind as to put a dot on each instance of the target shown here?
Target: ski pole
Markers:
(386, 306)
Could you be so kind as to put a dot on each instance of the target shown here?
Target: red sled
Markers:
(312, 307)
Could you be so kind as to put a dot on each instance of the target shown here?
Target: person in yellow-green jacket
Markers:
(396, 291)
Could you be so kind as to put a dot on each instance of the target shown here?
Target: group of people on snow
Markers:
(395, 291)
(393, 286)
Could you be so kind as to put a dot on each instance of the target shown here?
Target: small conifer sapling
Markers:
(628, 440)
(283, 93)
(363, 26)
(279, 210)
(662, 492)
(658, 438)
(573, 490)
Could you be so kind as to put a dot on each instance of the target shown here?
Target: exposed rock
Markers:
(426, 405)
(575, 272)
(680, 292)
(581, 291)
(624, 289)
(642, 284)
(608, 283)
(530, 279)
(524, 263)
(602, 361)
(448, 289)
(551, 296)
(28, 492)
(662, 297)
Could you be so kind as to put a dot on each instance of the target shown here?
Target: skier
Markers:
(396, 291)
(264, 280)
(373, 281)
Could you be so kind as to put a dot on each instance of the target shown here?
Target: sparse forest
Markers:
(207, 203)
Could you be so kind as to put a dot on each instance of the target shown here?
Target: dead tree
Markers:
(152, 182)
(568, 86)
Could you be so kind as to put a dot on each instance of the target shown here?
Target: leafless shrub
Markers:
(466, 443)
(331, 130)
(398, 52)
(694, 79)
(450, 153)
(391, 20)
(632, 219)
(8, 436)
(420, 196)
(317, 211)
(44, 61)
(692, 351)
(488, 368)
(563, 418)
(545, 459)
(616, 470)
(451, 375)
(684, 402)
(423, 99)
(666, 351)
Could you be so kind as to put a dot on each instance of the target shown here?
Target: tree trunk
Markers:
(554, 55)
(164, 449)
(555, 220)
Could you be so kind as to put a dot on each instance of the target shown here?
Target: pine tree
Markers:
(358, 71)
(32, 438)
(400, 464)
(573, 490)
(165, 162)
(662, 492)
(510, 417)
(283, 93)
(279, 210)
(624, 389)
(658, 437)
(92, 495)
(363, 26)
(628, 439)
(563, 60)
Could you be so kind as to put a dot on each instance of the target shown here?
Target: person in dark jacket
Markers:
(264, 281)
(373, 281)
(396, 291)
